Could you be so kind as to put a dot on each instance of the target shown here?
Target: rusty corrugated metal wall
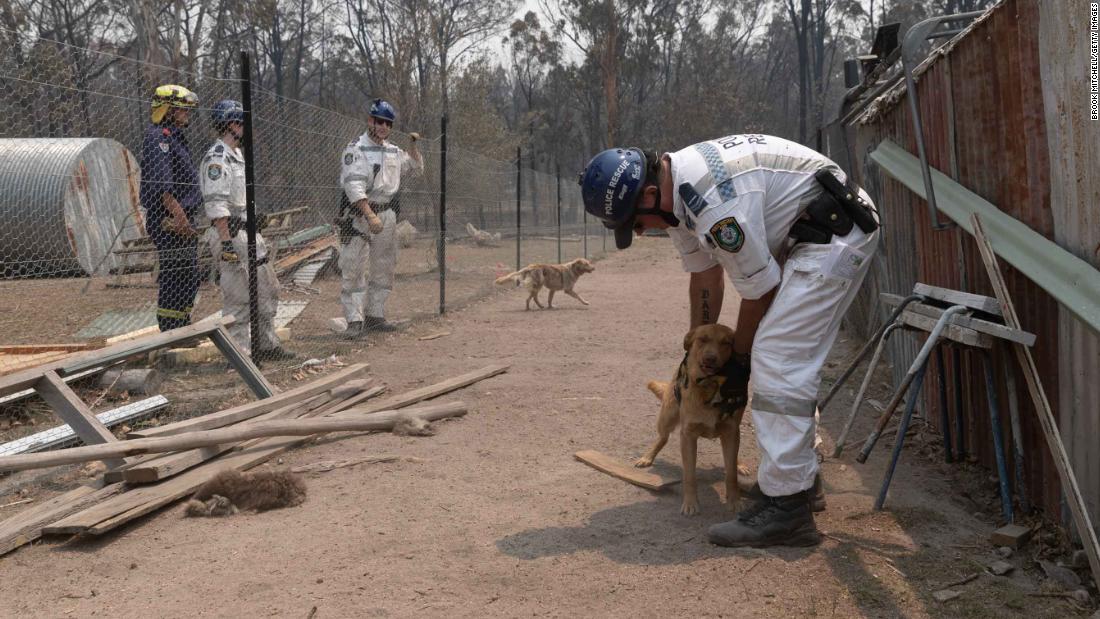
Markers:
(982, 109)
(1074, 146)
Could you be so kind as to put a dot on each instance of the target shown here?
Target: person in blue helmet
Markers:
(222, 174)
(795, 239)
(371, 174)
(170, 197)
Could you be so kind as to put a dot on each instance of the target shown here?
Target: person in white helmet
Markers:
(371, 176)
(795, 240)
(223, 192)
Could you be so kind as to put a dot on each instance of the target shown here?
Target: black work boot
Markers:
(374, 323)
(774, 521)
(817, 494)
(355, 328)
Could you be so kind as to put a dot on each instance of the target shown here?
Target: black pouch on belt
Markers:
(849, 200)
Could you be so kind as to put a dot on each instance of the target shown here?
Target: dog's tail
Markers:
(659, 388)
(516, 278)
(513, 278)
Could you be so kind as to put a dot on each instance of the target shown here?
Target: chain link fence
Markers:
(93, 250)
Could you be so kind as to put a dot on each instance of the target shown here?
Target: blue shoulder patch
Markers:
(694, 202)
(219, 149)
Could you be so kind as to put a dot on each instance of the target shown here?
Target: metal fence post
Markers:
(585, 216)
(557, 179)
(443, 214)
(250, 207)
(519, 195)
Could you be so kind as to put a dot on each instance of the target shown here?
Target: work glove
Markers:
(228, 253)
(734, 391)
(374, 224)
(414, 136)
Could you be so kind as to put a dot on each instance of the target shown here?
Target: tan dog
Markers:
(708, 348)
(554, 277)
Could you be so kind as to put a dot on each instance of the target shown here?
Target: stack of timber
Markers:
(165, 464)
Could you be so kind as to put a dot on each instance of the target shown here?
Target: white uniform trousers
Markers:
(789, 350)
(367, 264)
(234, 285)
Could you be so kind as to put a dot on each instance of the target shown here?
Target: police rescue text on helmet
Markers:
(611, 185)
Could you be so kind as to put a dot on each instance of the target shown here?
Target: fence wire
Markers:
(110, 219)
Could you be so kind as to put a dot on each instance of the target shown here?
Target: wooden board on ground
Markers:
(26, 526)
(431, 391)
(981, 303)
(119, 510)
(615, 468)
(258, 407)
(30, 349)
(346, 422)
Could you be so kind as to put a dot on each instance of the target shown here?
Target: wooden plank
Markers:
(29, 349)
(171, 464)
(347, 421)
(432, 391)
(1003, 332)
(76, 413)
(952, 332)
(611, 466)
(139, 346)
(315, 247)
(28, 525)
(12, 363)
(985, 304)
(109, 514)
(259, 407)
(251, 374)
(1042, 406)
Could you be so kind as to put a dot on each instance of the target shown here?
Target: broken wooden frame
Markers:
(48, 380)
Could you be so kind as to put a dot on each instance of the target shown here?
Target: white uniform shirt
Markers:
(736, 198)
(221, 177)
(373, 171)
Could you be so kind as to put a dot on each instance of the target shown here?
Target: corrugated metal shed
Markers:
(982, 107)
(65, 204)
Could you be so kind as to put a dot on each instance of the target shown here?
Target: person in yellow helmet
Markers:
(171, 197)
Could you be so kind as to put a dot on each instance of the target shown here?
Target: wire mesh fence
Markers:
(120, 218)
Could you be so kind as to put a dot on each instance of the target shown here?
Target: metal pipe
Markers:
(863, 387)
(922, 358)
(1017, 436)
(945, 423)
(867, 348)
(998, 437)
(903, 427)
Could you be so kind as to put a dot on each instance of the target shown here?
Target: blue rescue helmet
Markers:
(611, 185)
(380, 108)
(226, 111)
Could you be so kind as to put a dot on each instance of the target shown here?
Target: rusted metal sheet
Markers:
(982, 109)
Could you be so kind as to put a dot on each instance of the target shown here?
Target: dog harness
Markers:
(733, 390)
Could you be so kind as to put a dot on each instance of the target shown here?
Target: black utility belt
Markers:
(834, 212)
(380, 208)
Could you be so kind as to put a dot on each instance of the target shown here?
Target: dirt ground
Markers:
(500, 520)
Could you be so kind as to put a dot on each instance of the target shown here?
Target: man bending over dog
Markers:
(795, 242)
